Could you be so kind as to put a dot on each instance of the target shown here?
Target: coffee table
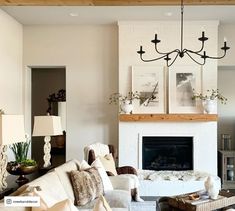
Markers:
(183, 202)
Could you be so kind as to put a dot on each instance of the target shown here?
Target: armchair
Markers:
(123, 172)
(120, 170)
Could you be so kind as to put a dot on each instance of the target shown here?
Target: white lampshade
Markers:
(11, 129)
(47, 126)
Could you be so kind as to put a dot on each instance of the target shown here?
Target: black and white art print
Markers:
(183, 80)
(148, 81)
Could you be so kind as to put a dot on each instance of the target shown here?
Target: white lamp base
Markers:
(3, 166)
(47, 150)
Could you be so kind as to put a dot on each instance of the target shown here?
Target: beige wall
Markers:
(90, 55)
(11, 46)
(11, 64)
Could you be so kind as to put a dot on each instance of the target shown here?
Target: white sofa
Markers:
(57, 186)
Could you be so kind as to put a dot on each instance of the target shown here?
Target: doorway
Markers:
(46, 82)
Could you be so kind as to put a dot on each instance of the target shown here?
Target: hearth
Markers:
(167, 153)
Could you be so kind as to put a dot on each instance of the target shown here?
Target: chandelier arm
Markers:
(197, 52)
(209, 57)
(219, 57)
(170, 52)
(168, 65)
(151, 60)
(194, 59)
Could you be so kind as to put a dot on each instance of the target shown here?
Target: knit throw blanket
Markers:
(172, 175)
(98, 148)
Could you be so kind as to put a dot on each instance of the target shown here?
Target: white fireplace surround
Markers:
(204, 141)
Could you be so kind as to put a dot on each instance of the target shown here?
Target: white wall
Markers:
(90, 56)
(11, 48)
(11, 43)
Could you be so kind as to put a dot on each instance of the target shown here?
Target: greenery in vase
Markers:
(116, 98)
(20, 151)
(212, 94)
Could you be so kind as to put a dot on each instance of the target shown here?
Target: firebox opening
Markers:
(167, 153)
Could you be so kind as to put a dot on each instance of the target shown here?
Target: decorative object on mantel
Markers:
(183, 80)
(11, 131)
(149, 81)
(209, 100)
(125, 101)
(47, 126)
(200, 54)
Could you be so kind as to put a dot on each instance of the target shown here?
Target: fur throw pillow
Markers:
(87, 185)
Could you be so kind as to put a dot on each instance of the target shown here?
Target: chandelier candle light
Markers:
(173, 55)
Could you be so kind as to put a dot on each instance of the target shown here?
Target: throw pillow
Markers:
(87, 185)
(108, 163)
(101, 205)
(84, 165)
(105, 179)
(65, 205)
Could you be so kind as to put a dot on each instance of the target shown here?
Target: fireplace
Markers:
(167, 153)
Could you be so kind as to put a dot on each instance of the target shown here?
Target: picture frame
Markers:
(183, 81)
(149, 82)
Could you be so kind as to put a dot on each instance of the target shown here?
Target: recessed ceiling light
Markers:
(73, 14)
(169, 14)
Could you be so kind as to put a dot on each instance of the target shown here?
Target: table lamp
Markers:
(11, 131)
(47, 126)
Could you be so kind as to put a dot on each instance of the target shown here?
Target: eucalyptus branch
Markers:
(212, 94)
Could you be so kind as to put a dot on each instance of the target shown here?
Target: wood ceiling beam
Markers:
(111, 2)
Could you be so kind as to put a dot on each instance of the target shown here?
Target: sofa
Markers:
(55, 186)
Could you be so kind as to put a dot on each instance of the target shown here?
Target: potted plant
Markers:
(210, 99)
(22, 165)
(125, 101)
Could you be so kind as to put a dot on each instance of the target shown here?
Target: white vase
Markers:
(209, 106)
(127, 107)
(212, 187)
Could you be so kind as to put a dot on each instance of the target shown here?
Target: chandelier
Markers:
(198, 56)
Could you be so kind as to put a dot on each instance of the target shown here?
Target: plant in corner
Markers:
(125, 101)
(210, 99)
(21, 165)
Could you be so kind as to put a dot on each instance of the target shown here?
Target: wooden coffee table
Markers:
(183, 202)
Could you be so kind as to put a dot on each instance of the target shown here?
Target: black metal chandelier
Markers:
(171, 56)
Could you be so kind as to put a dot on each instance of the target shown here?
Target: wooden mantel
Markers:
(168, 117)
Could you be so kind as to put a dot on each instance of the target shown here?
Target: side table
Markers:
(6, 192)
(44, 170)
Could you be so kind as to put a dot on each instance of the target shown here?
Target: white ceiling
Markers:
(108, 15)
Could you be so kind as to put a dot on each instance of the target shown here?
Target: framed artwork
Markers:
(149, 82)
(182, 81)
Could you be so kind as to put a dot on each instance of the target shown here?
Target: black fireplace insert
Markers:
(167, 153)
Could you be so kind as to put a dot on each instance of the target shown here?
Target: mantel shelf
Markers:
(168, 117)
